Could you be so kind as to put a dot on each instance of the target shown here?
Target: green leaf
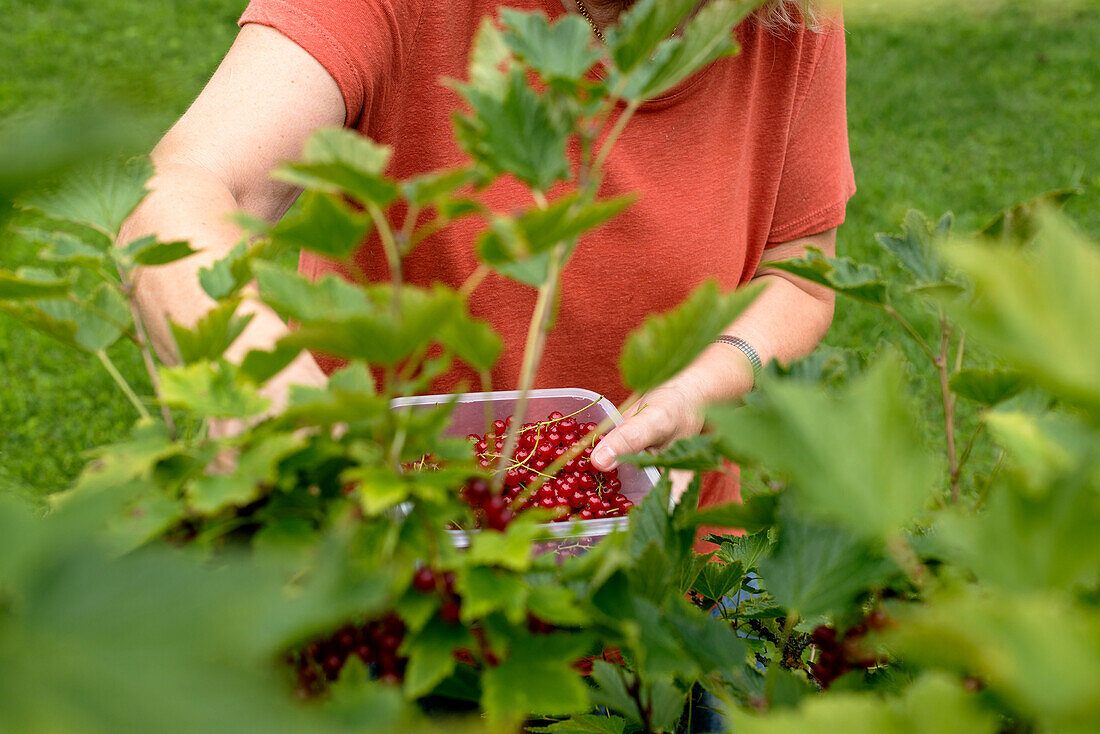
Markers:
(474, 341)
(212, 335)
(259, 366)
(64, 247)
(536, 678)
(745, 549)
(379, 489)
(1021, 221)
(751, 515)
(914, 247)
(988, 387)
(31, 284)
(254, 472)
(556, 605)
(98, 321)
(228, 275)
(435, 187)
(486, 590)
(696, 453)
(487, 57)
(818, 569)
(510, 549)
(377, 336)
(855, 457)
(562, 51)
(431, 655)
(146, 519)
(330, 298)
(612, 691)
(507, 241)
(707, 37)
(719, 579)
(1036, 651)
(101, 198)
(635, 38)
(936, 704)
(1044, 448)
(515, 131)
(149, 251)
(355, 377)
(324, 224)
(1026, 541)
(210, 389)
(667, 701)
(134, 643)
(62, 330)
(668, 342)
(583, 724)
(845, 276)
(117, 464)
(338, 161)
(1038, 308)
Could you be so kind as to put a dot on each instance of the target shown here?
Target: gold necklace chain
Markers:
(588, 16)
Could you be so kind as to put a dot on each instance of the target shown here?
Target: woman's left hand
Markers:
(661, 416)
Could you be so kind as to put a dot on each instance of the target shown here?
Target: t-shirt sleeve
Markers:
(361, 43)
(817, 178)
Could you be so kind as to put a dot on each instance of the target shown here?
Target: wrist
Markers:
(718, 374)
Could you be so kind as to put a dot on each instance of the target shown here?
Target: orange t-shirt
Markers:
(751, 151)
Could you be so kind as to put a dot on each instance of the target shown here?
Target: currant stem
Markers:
(147, 353)
(948, 409)
(470, 284)
(893, 312)
(577, 448)
(781, 646)
(609, 143)
(532, 353)
(393, 253)
(123, 384)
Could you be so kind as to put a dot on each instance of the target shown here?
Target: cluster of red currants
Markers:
(839, 655)
(427, 581)
(578, 492)
(375, 643)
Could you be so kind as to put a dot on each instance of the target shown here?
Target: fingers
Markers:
(646, 429)
(681, 480)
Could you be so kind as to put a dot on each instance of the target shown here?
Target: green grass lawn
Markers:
(962, 111)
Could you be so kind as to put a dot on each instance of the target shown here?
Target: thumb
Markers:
(641, 431)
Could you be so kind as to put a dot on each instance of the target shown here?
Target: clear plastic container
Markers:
(469, 416)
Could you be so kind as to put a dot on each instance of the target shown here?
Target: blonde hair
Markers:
(786, 15)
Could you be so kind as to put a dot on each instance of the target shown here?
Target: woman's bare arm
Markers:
(785, 322)
(263, 101)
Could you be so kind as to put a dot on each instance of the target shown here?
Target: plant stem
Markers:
(948, 408)
(147, 353)
(634, 688)
(907, 559)
(532, 355)
(989, 482)
(427, 231)
(98, 313)
(970, 446)
(123, 384)
(609, 143)
(470, 284)
(404, 240)
(393, 254)
(573, 452)
(781, 646)
(912, 331)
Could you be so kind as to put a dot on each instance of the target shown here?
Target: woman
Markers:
(744, 163)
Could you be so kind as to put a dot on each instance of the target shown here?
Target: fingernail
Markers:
(605, 457)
